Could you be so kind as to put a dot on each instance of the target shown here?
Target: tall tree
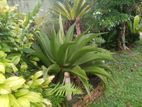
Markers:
(114, 14)
(72, 10)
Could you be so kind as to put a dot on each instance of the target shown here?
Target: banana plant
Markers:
(66, 56)
(72, 11)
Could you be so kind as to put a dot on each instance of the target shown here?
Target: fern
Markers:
(62, 90)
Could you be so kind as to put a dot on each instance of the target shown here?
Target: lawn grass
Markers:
(127, 73)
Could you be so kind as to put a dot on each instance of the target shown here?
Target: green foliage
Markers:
(110, 15)
(16, 91)
(72, 9)
(15, 35)
(135, 26)
(62, 53)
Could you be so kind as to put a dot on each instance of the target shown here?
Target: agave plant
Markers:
(66, 56)
(72, 11)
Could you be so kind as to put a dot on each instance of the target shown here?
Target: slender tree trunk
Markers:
(78, 26)
(67, 80)
(121, 37)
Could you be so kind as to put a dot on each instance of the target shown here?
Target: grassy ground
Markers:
(127, 72)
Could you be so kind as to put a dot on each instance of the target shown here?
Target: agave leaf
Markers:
(103, 78)
(81, 52)
(81, 74)
(80, 41)
(97, 70)
(44, 44)
(38, 52)
(61, 31)
(54, 43)
(62, 53)
(53, 67)
(69, 34)
(93, 56)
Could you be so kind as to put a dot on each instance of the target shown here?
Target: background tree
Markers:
(113, 15)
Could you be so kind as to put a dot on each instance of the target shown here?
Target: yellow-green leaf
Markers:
(15, 82)
(23, 102)
(2, 78)
(4, 101)
(2, 67)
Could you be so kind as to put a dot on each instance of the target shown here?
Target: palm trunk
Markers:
(121, 37)
(78, 26)
(67, 24)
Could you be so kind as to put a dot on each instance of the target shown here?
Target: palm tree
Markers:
(72, 11)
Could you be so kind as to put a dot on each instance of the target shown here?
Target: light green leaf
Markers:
(4, 101)
(15, 82)
(2, 68)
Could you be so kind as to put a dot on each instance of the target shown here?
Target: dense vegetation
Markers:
(46, 64)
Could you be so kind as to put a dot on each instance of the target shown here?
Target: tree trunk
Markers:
(67, 24)
(67, 80)
(121, 37)
(78, 26)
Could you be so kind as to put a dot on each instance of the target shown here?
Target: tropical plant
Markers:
(72, 11)
(16, 34)
(15, 91)
(65, 56)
